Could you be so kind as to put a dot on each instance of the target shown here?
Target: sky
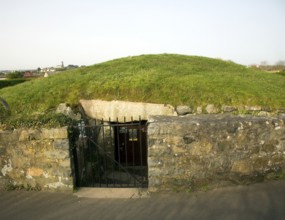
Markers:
(42, 33)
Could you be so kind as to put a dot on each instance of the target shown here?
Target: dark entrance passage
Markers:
(130, 142)
(110, 154)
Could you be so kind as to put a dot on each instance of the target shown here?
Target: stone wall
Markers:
(35, 159)
(206, 151)
(184, 153)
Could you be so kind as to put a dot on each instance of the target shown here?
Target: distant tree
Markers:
(15, 75)
(264, 63)
(39, 69)
(280, 63)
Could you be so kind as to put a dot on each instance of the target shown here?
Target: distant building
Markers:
(28, 74)
(60, 66)
(52, 70)
(48, 70)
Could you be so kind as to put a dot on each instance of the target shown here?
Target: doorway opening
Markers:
(110, 154)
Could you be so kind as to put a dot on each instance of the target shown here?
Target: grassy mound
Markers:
(165, 78)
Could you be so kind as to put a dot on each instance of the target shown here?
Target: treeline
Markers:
(15, 75)
(277, 67)
(272, 67)
(11, 82)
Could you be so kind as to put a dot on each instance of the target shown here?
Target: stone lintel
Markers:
(124, 111)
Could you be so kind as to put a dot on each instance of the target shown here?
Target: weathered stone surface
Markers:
(66, 110)
(183, 110)
(34, 171)
(211, 109)
(8, 135)
(263, 113)
(199, 110)
(56, 133)
(226, 108)
(7, 167)
(281, 110)
(35, 158)
(192, 152)
(29, 134)
(201, 148)
(253, 108)
(121, 110)
(242, 167)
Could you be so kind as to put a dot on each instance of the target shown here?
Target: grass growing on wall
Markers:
(165, 78)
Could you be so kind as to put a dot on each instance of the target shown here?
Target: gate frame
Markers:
(94, 165)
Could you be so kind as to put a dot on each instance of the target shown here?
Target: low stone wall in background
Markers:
(207, 151)
(35, 159)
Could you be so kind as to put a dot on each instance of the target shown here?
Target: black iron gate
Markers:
(108, 154)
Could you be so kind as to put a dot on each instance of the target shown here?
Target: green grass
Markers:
(166, 78)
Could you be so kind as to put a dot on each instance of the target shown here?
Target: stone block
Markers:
(154, 162)
(211, 109)
(178, 150)
(66, 110)
(123, 110)
(61, 144)
(157, 171)
(2, 149)
(263, 113)
(189, 138)
(28, 135)
(9, 136)
(174, 140)
(199, 110)
(24, 135)
(226, 108)
(34, 171)
(20, 161)
(56, 154)
(202, 148)
(54, 133)
(183, 110)
(253, 108)
(243, 167)
(65, 163)
(7, 167)
(159, 152)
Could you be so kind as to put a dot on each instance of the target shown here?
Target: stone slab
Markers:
(124, 111)
(114, 193)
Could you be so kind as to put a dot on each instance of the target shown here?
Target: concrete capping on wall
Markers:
(35, 159)
(207, 151)
(124, 111)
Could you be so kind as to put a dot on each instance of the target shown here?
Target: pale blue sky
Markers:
(42, 33)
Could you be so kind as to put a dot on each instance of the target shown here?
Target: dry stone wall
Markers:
(35, 159)
(206, 151)
(184, 153)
